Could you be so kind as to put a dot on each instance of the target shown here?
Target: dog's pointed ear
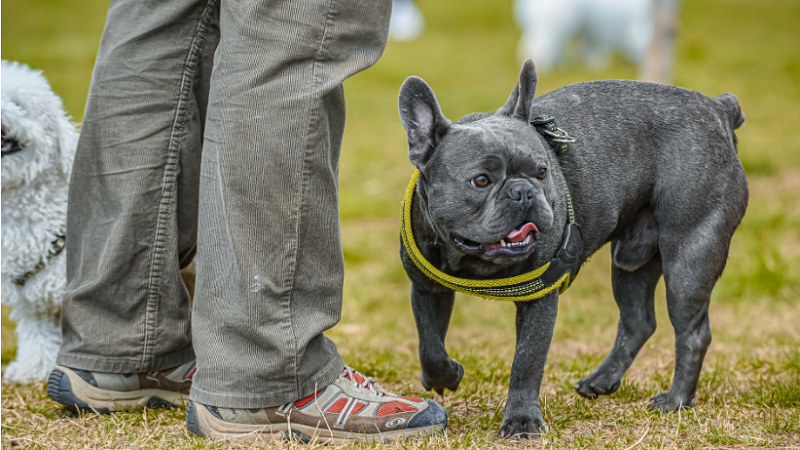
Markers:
(520, 101)
(422, 118)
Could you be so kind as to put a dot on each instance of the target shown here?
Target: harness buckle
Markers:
(572, 247)
(544, 119)
(555, 136)
(563, 138)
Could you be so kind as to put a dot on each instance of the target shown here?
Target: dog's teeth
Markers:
(502, 242)
(528, 239)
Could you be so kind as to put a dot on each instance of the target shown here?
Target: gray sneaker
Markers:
(352, 408)
(108, 392)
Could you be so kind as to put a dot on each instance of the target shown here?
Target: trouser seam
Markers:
(326, 375)
(168, 186)
(309, 150)
(122, 364)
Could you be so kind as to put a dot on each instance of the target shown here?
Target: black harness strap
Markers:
(568, 257)
(57, 247)
(556, 137)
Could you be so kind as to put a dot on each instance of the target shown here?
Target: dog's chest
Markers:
(31, 219)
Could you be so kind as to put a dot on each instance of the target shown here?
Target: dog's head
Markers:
(38, 137)
(485, 180)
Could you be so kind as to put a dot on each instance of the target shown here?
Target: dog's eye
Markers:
(542, 173)
(480, 181)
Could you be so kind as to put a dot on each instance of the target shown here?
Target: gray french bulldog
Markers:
(654, 171)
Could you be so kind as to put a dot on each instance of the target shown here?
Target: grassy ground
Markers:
(749, 394)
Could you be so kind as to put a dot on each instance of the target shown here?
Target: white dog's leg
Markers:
(38, 341)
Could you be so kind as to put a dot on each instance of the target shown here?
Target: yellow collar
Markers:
(556, 274)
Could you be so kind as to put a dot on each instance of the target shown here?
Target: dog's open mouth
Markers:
(518, 242)
(10, 145)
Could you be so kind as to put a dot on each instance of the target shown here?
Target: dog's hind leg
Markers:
(693, 261)
(634, 292)
(432, 310)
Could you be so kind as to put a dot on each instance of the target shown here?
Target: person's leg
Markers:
(270, 267)
(132, 216)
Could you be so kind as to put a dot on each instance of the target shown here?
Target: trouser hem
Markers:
(325, 376)
(106, 364)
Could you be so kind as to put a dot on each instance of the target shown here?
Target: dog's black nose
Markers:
(520, 192)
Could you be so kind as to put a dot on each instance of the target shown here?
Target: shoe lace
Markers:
(368, 383)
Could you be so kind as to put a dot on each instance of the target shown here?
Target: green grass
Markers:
(749, 394)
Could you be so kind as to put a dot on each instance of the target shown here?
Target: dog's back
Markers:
(667, 148)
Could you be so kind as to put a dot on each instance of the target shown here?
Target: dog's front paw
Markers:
(16, 372)
(442, 376)
(522, 426)
(668, 402)
(596, 384)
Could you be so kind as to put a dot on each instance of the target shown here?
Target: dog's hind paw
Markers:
(595, 385)
(668, 402)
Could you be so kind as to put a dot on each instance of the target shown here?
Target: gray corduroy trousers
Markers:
(213, 127)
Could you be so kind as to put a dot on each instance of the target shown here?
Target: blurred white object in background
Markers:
(657, 67)
(602, 26)
(407, 21)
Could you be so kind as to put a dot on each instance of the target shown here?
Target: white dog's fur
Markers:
(35, 184)
(602, 25)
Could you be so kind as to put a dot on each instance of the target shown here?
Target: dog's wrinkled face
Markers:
(485, 179)
(38, 139)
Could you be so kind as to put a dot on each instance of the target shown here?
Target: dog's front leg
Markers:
(432, 310)
(536, 320)
(38, 341)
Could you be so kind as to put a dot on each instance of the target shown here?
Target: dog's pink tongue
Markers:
(521, 233)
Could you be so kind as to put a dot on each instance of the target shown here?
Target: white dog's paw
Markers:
(18, 373)
(32, 369)
(38, 342)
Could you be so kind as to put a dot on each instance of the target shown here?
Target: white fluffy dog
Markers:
(602, 25)
(39, 142)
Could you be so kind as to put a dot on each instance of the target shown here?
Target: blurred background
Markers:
(469, 51)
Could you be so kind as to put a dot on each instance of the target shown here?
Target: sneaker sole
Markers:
(200, 421)
(68, 388)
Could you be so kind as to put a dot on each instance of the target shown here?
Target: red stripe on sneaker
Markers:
(394, 408)
(191, 374)
(306, 400)
(338, 406)
(357, 409)
(413, 399)
(358, 378)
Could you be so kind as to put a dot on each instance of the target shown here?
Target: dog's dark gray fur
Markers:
(654, 172)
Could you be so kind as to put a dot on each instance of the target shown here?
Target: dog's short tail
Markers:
(730, 105)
